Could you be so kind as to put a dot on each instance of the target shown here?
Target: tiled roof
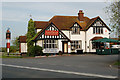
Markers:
(96, 38)
(22, 39)
(40, 24)
(63, 22)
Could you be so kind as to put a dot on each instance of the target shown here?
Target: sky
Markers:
(16, 15)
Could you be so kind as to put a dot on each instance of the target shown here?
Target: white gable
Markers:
(98, 23)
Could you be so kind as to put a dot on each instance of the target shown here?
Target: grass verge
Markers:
(4, 55)
(117, 63)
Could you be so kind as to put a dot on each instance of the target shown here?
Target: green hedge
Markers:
(35, 51)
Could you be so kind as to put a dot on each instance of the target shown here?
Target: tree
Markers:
(15, 43)
(114, 16)
(30, 34)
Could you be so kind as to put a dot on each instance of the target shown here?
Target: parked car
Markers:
(115, 46)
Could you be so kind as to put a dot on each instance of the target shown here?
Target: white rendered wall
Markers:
(90, 35)
(38, 30)
(73, 37)
(39, 43)
(23, 47)
(81, 37)
(60, 45)
(66, 32)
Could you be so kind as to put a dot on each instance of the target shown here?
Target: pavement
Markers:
(76, 66)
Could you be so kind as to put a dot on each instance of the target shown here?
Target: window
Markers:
(50, 43)
(97, 30)
(75, 29)
(101, 30)
(93, 30)
(75, 45)
(97, 45)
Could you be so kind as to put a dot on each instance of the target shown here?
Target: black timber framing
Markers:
(51, 27)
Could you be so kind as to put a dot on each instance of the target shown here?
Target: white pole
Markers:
(8, 41)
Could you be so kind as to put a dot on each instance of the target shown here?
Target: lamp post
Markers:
(8, 37)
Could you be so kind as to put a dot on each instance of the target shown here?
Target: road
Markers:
(79, 66)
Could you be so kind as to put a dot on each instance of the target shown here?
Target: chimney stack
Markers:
(81, 15)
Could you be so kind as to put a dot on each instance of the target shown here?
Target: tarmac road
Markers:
(79, 66)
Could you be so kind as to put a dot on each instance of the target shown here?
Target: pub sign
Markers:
(51, 33)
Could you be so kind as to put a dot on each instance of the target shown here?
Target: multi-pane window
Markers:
(97, 45)
(76, 45)
(97, 30)
(50, 43)
(76, 29)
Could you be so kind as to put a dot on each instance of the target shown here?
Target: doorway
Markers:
(65, 47)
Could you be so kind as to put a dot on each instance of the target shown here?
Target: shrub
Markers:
(13, 49)
(35, 51)
(3, 49)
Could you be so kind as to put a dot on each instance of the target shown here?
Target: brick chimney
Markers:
(81, 15)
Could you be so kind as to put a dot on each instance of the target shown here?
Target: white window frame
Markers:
(96, 30)
(49, 43)
(76, 29)
(77, 44)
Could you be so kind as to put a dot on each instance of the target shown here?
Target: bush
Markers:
(13, 49)
(35, 51)
(3, 49)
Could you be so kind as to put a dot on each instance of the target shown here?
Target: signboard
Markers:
(8, 45)
(50, 50)
(51, 33)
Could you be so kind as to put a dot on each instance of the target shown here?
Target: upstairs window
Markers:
(97, 30)
(76, 29)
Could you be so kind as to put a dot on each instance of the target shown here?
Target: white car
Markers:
(115, 46)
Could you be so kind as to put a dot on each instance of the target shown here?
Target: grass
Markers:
(4, 55)
(117, 63)
(11, 57)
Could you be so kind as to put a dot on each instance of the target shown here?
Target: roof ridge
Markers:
(63, 16)
(41, 21)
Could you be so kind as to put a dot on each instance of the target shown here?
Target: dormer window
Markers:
(97, 30)
(75, 29)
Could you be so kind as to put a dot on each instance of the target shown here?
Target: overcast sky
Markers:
(16, 15)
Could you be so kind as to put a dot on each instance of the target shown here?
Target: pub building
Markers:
(68, 34)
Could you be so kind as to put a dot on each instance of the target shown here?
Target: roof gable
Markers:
(50, 27)
(93, 20)
(76, 25)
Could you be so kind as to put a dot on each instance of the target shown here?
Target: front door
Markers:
(65, 47)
